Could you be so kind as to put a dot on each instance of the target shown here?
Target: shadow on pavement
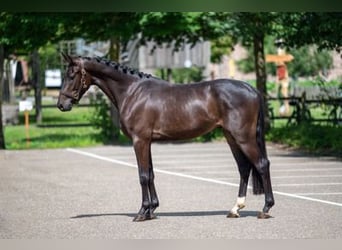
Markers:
(171, 214)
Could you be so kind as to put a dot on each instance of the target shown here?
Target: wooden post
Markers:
(27, 128)
(26, 106)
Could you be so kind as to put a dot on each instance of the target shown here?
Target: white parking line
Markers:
(307, 170)
(337, 193)
(280, 162)
(198, 178)
(306, 176)
(181, 164)
(308, 184)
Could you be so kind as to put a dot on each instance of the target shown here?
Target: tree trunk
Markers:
(2, 59)
(37, 86)
(260, 69)
(114, 49)
(114, 53)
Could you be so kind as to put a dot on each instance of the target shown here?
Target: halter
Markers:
(76, 92)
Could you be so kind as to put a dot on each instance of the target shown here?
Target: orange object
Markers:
(279, 58)
(281, 71)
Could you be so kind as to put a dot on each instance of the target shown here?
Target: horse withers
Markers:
(152, 109)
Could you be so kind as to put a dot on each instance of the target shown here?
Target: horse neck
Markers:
(113, 83)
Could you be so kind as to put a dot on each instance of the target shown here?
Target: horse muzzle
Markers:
(64, 106)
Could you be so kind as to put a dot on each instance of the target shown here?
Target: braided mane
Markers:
(119, 67)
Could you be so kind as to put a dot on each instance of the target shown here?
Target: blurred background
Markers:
(293, 59)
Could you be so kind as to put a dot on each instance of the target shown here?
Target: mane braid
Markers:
(122, 68)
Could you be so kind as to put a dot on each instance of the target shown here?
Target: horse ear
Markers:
(67, 58)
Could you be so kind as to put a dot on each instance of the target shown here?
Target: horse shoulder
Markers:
(140, 105)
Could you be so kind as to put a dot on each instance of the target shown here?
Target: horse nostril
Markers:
(60, 106)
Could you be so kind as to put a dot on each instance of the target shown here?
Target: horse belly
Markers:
(179, 127)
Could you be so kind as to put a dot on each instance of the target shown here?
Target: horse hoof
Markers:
(144, 217)
(151, 217)
(233, 215)
(140, 217)
(262, 215)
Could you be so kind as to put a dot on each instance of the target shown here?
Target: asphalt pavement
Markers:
(94, 193)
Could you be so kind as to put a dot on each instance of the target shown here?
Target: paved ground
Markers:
(93, 193)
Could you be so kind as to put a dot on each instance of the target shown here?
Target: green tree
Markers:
(182, 27)
(309, 61)
(117, 27)
(23, 32)
(312, 28)
(219, 47)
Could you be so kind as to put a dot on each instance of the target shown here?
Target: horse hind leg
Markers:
(261, 174)
(153, 193)
(244, 167)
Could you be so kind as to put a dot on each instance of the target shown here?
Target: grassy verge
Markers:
(56, 137)
(58, 130)
(318, 139)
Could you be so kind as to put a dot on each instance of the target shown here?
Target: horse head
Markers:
(75, 83)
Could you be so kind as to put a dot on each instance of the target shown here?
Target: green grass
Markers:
(51, 133)
(56, 137)
(314, 138)
(76, 116)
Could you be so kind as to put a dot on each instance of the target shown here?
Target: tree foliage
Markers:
(320, 28)
(182, 27)
(309, 61)
(99, 26)
(219, 47)
(25, 32)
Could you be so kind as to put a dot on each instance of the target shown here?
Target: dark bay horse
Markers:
(151, 109)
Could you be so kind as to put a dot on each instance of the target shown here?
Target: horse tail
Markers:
(258, 187)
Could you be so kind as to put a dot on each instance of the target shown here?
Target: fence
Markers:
(66, 124)
(330, 110)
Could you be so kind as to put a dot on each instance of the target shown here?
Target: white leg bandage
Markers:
(240, 203)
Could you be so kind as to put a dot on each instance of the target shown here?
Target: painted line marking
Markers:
(338, 193)
(197, 178)
(179, 164)
(286, 177)
(306, 170)
(308, 184)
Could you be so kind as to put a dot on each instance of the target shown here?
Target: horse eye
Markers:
(71, 73)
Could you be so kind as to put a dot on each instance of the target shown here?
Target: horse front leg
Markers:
(142, 152)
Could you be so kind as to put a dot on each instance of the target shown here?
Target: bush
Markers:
(322, 139)
(101, 118)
